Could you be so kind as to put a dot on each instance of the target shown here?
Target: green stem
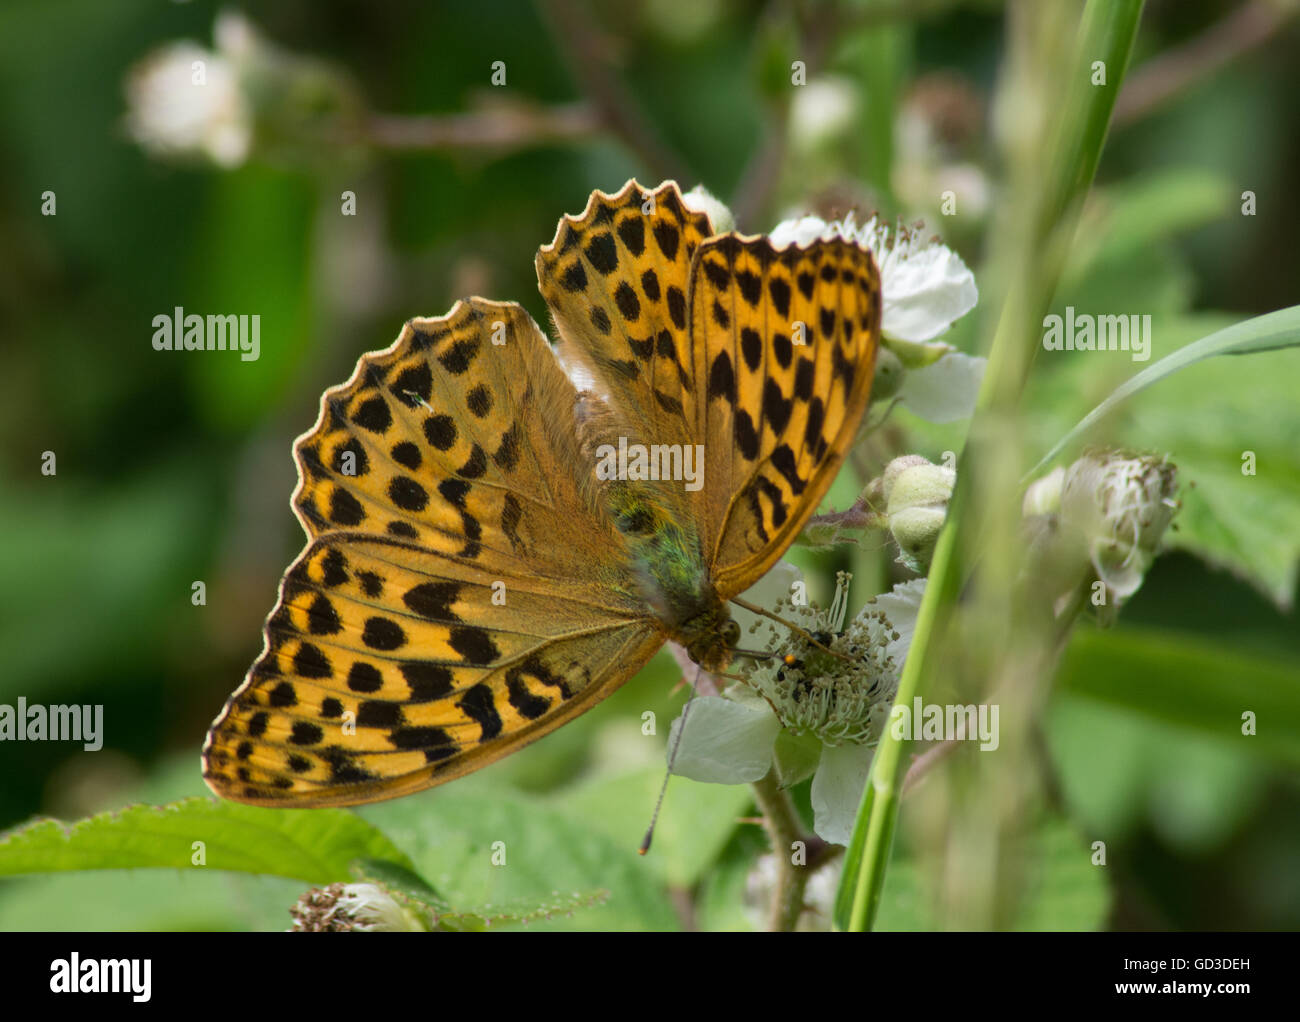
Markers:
(783, 829)
(1036, 253)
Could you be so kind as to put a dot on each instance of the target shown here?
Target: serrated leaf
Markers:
(316, 847)
(521, 912)
(400, 880)
(481, 845)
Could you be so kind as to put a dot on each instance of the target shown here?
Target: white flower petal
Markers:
(802, 230)
(945, 391)
(925, 293)
(702, 200)
(724, 742)
(900, 606)
(925, 286)
(837, 790)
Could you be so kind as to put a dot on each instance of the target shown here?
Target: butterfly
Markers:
(472, 580)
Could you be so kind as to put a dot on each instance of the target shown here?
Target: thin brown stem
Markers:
(499, 128)
(584, 52)
(1162, 78)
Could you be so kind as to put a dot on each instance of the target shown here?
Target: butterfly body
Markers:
(472, 581)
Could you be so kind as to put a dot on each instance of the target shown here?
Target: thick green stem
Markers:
(1032, 258)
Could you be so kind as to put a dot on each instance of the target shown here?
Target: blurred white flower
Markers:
(818, 895)
(183, 100)
(1122, 505)
(1102, 519)
(823, 109)
(946, 390)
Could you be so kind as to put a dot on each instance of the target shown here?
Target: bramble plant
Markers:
(915, 692)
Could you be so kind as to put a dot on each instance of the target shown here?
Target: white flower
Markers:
(803, 690)
(183, 100)
(1122, 505)
(946, 390)
(822, 110)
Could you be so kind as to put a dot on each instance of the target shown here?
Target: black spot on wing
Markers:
(667, 237)
(751, 288)
(722, 378)
(629, 306)
(602, 252)
(632, 232)
(751, 346)
(779, 289)
(480, 707)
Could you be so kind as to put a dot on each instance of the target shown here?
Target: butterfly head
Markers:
(710, 638)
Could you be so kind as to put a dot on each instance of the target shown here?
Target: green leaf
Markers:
(410, 888)
(696, 821)
(150, 900)
(520, 912)
(1191, 683)
(1123, 221)
(400, 880)
(1194, 791)
(483, 846)
(1269, 332)
(316, 847)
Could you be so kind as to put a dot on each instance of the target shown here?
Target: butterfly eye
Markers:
(731, 633)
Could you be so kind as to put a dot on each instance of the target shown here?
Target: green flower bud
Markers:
(917, 494)
(1043, 497)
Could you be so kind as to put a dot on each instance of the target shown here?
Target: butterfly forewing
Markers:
(784, 343)
(616, 280)
(435, 624)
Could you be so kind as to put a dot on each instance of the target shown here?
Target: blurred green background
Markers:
(175, 467)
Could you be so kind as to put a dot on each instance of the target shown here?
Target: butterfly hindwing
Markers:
(389, 668)
(784, 344)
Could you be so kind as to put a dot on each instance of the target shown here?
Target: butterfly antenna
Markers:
(753, 608)
(755, 654)
(672, 758)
